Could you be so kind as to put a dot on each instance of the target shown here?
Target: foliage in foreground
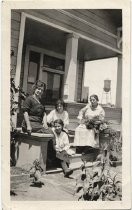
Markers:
(14, 104)
(98, 182)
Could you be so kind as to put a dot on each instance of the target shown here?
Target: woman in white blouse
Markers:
(59, 113)
(84, 135)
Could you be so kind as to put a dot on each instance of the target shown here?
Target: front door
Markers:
(48, 69)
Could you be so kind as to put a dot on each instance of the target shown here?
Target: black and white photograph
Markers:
(68, 120)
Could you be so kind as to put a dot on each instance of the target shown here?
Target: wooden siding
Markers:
(60, 19)
(15, 15)
(95, 17)
(15, 30)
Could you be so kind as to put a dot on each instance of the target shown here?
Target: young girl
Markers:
(62, 146)
(59, 113)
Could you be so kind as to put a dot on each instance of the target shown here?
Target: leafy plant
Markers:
(98, 183)
(13, 109)
(36, 172)
(13, 103)
(113, 145)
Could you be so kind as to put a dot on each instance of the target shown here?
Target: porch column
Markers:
(119, 83)
(19, 61)
(71, 68)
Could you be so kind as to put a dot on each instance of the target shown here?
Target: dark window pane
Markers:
(33, 69)
(54, 63)
(53, 90)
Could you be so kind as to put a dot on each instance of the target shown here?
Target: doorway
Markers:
(40, 65)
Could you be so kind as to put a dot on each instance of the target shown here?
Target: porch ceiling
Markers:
(88, 51)
(44, 36)
(47, 37)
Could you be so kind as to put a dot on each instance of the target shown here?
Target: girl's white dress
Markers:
(54, 115)
(62, 146)
(62, 141)
(84, 136)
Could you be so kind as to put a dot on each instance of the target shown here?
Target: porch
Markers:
(59, 50)
(35, 146)
(57, 53)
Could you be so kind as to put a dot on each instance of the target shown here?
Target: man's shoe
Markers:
(68, 173)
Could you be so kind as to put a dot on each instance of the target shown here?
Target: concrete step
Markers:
(77, 160)
(74, 166)
(54, 170)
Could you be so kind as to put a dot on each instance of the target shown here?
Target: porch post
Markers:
(20, 47)
(119, 83)
(70, 68)
(19, 60)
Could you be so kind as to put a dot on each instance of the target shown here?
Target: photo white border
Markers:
(53, 4)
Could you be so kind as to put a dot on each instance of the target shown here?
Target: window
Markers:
(53, 63)
(53, 87)
(33, 70)
(52, 76)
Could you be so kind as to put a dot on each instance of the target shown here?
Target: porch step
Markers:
(54, 170)
(77, 160)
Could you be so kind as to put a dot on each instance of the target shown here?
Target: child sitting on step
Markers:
(62, 147)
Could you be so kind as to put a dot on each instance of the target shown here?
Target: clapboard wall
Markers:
(15, 30)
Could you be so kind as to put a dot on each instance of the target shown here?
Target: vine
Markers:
(14, 105)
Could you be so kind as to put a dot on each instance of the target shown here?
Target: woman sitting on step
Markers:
(59, 113)
(87, 133)
(62, 147)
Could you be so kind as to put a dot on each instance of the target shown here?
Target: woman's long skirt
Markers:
(86, 137)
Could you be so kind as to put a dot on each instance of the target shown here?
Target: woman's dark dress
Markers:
(36, 112)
